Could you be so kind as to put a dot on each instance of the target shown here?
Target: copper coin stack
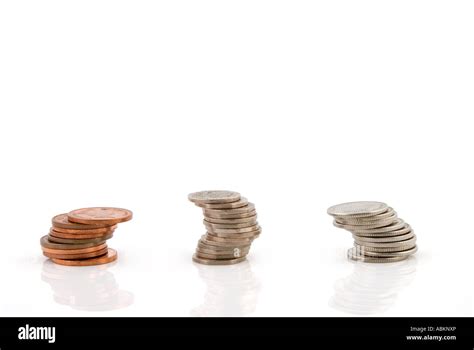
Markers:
(231, 224)
(79, 237)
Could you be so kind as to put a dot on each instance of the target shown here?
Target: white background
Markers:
(298, 105)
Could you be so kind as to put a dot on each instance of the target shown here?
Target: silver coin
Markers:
(368, 219)
(213, 238)
(230, 226)
(232, 205)
(386, 249)
(231, 216)
(213, 197)
(404, 230)
(354, 256)
(233, 253)
(217, 262)
(250, 234)
(225, 243)
(204, 245)
(250, 219)
(358, 209)
(391, 254)
(232, 230)
(408, 242)
(398, 225)
(367, 226)
(384, 239)
(250, 207)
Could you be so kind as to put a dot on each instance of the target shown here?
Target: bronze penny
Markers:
(74, 251)
(77, 256)
(75, 241)
(217, 262)
(46, 243)
(105, 259)
(62, 221)
(69, 235)
(100, 215)
(102, 230)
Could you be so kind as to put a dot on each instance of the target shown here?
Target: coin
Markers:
(250, 207)
(217, 256)
(224, 243)
(74, 251)
(385, 249)
(231, 216)
(213, 197)
(356, 257)
(110, 256)
(239, 204)
(358, 209)
(250, 219)
(229, 226)
(398, 225)
(101, 230)
(76, 256)
(100, 215)
(407, 242)
(245, 240)
(46, 243)
(366, 220)
(54, 233)
(366, 225)
(391, 254)
(74, 241)
(405, 229)
(384, 239)
(233, 230)
(62, 221)
(217, 262)
(207, 248)
(250, 234)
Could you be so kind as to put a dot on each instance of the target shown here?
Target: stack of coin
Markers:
(379, 235)
(231, 224)
(79, 237)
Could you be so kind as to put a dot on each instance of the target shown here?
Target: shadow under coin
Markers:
(231, 290)
(372, 288)
(86, 288)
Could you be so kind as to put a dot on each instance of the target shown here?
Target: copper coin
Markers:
(239, 204)
(100, 215)
(69, 235)
(62, 221)
(102, 230)
(250, 219)
(74, 251)
(105, 259)
(217, 262)
(210, 197)
(77, 256)
(75, 241)
(46, 243)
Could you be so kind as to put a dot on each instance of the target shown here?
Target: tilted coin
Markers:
(250, 219)
(75, 241)
(46, 243)
(76, 256)
(74, 251)
(363, 258)
(217, 257)
(239, 204)
(100, 215)
(385, 249)
(205, 248)
(101, 230)
(230, 240)
(250, 234)
(398, 225)
(212, 197)
(367, 219)
(233, 230)
(62, 221)
(231, 216)
(384, 239)
(243, 210)
(366, 226)
(358, 209)
(391, 254)
(109, 257)
(407, 242)
(69, 235)
(402, 231)
(217, 262)
(230, 226)
(225, 243)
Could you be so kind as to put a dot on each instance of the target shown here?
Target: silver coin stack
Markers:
(380, 236)
(231, 224)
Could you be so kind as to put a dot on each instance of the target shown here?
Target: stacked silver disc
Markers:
(379, 234)
(231, 224)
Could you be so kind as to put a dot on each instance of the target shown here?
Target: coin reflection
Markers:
(372, 288)
(86, 288)
(231, 290)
